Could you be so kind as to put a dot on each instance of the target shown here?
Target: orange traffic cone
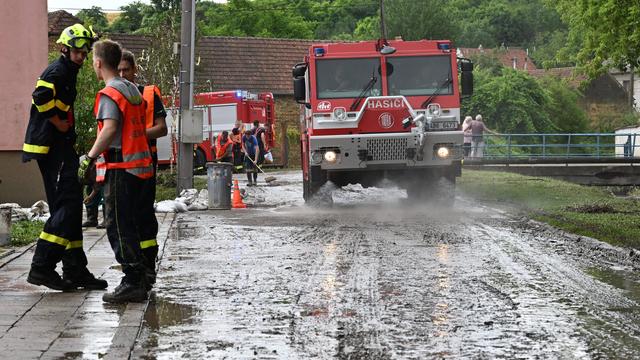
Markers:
(236, 201)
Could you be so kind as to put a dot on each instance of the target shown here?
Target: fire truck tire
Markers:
(199, 161)
(436, 190)
(311, 187)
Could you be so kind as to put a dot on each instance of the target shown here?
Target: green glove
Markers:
(85, 169)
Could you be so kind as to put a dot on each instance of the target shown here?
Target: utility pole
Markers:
(187, 41)
(632, 70)
(383, 30)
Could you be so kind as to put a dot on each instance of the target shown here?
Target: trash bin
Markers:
(5, 226)
(219, 177)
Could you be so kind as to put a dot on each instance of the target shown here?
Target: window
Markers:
(346, 78)
(419, 75)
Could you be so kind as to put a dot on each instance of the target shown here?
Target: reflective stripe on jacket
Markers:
(136, 157)
(54, 94)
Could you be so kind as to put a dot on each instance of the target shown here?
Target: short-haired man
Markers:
(156, 127)
(123, 161)
(50, 140)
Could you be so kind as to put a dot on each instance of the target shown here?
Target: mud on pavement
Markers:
(370, 278)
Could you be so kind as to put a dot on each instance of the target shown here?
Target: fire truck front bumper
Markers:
(385, 151)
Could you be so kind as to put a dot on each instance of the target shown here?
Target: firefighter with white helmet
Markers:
(50, 140)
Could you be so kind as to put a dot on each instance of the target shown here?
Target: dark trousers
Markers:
(61, 238)
(123, 203)
(148, 227)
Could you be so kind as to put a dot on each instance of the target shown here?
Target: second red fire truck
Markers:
(223, 110)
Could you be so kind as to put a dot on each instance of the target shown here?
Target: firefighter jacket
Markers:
(134, 155)
(152, 96)
(54, 94)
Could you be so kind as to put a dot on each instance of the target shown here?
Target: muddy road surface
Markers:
(372, 278)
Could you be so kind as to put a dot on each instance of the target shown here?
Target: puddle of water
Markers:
(163, 313)
(619, 279)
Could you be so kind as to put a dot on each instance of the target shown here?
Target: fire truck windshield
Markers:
(344, 78)
(419, 75)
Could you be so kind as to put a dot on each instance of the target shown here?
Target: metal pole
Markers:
(383, 30)
(185, 150)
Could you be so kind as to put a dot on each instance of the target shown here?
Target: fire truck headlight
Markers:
(443, 152)
(340, 113)
(330, 156)
(316, 157)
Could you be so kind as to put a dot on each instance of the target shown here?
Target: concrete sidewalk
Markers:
(37, 323)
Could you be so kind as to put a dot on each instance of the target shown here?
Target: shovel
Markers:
(267, 179)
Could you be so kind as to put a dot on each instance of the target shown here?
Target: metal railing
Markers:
(560, 147)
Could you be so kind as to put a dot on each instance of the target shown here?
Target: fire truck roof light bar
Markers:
(318, 51)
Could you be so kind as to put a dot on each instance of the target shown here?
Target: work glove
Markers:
(86, 169)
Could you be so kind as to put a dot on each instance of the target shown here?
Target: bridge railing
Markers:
(557, 146)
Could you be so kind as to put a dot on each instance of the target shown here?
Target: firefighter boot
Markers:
(126, 292)
(48, 278)
(92, 217)
(86, 280)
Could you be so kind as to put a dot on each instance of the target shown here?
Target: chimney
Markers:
(515, 63)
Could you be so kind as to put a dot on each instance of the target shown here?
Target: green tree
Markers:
(415, 20)
(607, 32)
(262, 18)
(130, 20)
(510, 103)
(94, 17)
(563, 107)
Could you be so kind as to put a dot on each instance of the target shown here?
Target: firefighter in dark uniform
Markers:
(156, 125)
(50, 140)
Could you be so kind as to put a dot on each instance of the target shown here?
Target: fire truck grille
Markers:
(387, 149)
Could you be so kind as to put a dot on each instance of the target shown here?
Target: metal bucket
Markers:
(219, 177)
(5, 226)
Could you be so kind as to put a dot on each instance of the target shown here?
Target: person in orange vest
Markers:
(123, 162)
(50, 139)
(156, 125)
(223, 148)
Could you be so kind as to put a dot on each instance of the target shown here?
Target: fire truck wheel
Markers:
(313, 191)
(438, 191)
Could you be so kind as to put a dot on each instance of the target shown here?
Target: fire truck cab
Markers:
(223, 110)
(375, 109)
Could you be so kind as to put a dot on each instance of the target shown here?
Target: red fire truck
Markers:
(222, 111)
(382, 109)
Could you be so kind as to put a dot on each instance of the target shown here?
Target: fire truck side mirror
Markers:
(299, 90)
(299, 70)
(466, 78)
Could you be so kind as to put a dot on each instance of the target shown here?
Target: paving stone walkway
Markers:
(38, 323)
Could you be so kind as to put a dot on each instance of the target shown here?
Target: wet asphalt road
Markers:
(370, 278)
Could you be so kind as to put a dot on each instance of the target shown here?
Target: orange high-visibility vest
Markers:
(149, 114)
(136, 157)
(222, 149)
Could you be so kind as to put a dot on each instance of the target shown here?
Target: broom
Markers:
(267, 179)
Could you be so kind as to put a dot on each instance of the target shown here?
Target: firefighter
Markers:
(123, 162)
(50, 140)
(236, 149)
(223, 148)
(260, 133)
(155, 120)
